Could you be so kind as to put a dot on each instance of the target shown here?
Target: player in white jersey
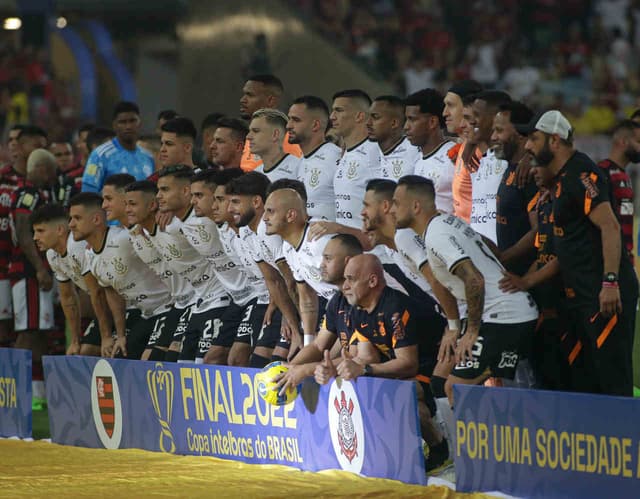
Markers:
(211, 313)
(285, 215)
(498, 323)
(266, 136)
(66, 258)
(308, 121)
(486, 180)
(385, 126)
(141, 208)
(262, 257)
(359, 164)
(137, 298)
(208, 240)
(423, 126)
(380, 225)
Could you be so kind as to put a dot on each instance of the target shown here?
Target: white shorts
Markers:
(32, 307)
(6, 307)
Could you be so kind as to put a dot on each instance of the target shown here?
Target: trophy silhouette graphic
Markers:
(161, 386)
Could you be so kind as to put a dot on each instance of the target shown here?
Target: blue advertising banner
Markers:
(540, 444)
(368, 427)
(15, 393)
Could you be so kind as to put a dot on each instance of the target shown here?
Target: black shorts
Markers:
(239, 324)
(91, 335)
(605, 360)
(269, 336)
(203, 329)
(138, 333)
(182, 324)
(496, 350)
(164, 328)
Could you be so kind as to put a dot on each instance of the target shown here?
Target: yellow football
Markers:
(267, 388)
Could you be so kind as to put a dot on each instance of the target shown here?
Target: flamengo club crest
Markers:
(105, 405)
(345, 425)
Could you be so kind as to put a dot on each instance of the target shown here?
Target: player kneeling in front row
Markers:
(377, 327)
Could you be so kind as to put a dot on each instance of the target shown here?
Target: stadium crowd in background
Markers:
(447, 237)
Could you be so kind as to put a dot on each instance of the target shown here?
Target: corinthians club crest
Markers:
(105, 405)
(345, 424)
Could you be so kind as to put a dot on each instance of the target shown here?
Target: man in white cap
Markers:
(600, 285)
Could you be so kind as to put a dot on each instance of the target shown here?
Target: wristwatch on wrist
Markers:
(610, 277)
(367, 371)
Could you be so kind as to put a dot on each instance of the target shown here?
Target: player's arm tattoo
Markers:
(473, 290)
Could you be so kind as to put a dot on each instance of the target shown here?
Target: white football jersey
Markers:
(184, 260)
(237, 248)
(316, 172)
(69, 267)
(117, 265)
(399, 161)
(357, 166)
(202, 233)
(485, 182)
(449, 241)
(181, 290)
(304, 262)
(287, 167)
(438, 167)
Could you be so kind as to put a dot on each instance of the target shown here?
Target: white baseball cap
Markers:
(552, 122)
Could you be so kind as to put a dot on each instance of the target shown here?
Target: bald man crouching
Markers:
(387, 329)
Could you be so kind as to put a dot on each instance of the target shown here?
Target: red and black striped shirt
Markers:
(10, 181)
(621, 195)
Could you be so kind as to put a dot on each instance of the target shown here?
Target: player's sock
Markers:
(258, 361)
(171, 356)
(158, 354)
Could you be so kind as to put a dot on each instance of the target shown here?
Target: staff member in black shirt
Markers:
(600, 286)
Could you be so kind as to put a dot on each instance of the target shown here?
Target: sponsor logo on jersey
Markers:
(345, 425)
(161, 385)
(105, 405)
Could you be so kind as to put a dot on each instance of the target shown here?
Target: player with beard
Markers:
(625, 149)
(380, 225)
(308, 121)
(515, 225)
(266, 136)
(464, 155)
(260, 92)
(486, 179)
(202, 232)
(600, 285)
(386, 127)
(67, 259)
(262, 255)
(498, 323)
(554, 349)
(424, 129)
